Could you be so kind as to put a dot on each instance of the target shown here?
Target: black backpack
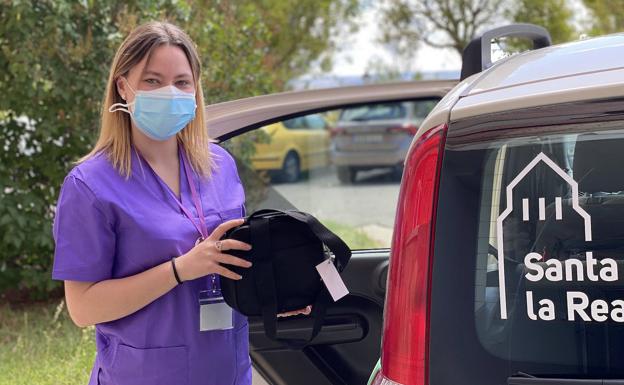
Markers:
(286, 247)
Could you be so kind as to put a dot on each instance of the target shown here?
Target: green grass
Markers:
(353, 237)
(40, 345)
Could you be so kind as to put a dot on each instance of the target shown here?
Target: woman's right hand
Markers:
(205, 258)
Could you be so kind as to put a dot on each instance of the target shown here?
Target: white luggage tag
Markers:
(332, 280)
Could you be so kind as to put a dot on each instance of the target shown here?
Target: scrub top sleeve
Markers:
(234, 170)
(243, 208)
(84, 237)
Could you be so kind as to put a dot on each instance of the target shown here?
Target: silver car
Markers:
(376, 136)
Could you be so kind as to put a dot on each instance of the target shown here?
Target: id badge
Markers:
(214, 313)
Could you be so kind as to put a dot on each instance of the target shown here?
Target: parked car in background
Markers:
(294, 146)
(376, 136)
(508, 243)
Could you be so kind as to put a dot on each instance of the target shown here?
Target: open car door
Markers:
(337, 154)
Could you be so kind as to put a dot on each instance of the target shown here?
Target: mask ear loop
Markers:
(121, 106)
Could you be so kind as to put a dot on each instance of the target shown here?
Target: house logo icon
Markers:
(541, 201)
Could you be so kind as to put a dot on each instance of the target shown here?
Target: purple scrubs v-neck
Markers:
(109, 227)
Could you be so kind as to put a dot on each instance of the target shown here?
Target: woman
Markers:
(137, 258)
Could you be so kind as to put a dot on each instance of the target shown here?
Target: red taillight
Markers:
(334, 131)
(405, 128)
(404, 357)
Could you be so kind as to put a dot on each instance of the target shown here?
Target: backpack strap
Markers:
(335, 244)
(263, 274)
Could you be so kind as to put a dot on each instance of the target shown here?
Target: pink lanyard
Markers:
(203, 230)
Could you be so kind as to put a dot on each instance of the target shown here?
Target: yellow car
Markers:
(296, 146)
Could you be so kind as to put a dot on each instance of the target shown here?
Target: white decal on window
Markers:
(525, 209)
(542, 209)
(558, 209)
(537, 268)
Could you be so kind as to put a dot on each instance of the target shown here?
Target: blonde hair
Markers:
(115, 128)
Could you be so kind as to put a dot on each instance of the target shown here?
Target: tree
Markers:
(54, 61)
(304, 32)
(607, 16)
(554, 15)
(438, 23)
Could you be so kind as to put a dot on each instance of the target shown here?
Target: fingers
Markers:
(218, 232)
(233, 244)
(305, 311)
(227, 273)
(292, 313)
(231, 260)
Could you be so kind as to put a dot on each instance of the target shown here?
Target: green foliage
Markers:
(554, 15)
(53, 58)
(405, 30)
(607, 16)
(315, 24)
(54, 62)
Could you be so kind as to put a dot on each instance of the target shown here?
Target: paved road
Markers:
(257, 379)
(369, 204)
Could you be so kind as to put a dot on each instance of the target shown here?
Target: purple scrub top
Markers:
(108, 227)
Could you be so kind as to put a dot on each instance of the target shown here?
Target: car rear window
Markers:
(528, 276)
(295, 123)
(378, 111)
(423, 108)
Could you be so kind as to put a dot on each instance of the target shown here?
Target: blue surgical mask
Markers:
(160, 113)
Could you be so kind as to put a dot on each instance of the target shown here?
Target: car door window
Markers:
(374, 112)
(346, 172)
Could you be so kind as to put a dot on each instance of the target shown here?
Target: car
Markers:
(508, 242)
(294, 146)
(348, 346)
(375, 136)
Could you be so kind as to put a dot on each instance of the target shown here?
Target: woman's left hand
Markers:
(306, 311)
